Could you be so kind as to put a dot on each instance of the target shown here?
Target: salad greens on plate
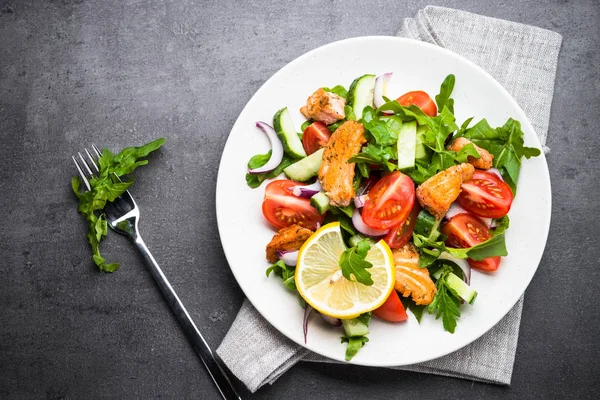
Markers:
(398, 177)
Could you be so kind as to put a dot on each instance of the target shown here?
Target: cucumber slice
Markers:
(353, 241)
(320, 201)
(407, 143)
(353, 327)
(360, 94)
(422, 152)
(284, 126)
(306, 168)
(460, 288)
(427, 225)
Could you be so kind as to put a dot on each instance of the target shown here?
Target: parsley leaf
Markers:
(445, 304)
(105, 188)
(353, 264)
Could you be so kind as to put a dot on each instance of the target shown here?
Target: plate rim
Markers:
(546, 176)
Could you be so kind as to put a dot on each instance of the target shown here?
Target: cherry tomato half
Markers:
(399, 235)
(466, 230)
(282, 209)
(392, 310)
(315, 136)
(419, 99)
(389, 202)
(486, 195)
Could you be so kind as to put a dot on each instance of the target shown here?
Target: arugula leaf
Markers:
(445, 304)
(106, 188)
(443, 99)
(255, 180)
(353, 264)
(495, 246)
(355, 343)
(417, 310)
(506, 145)
(502, 225)
(285, 272)
(347, 210)
(339, 90)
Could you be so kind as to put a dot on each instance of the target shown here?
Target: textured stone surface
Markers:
(122, 72)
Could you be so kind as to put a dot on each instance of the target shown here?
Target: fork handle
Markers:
(194, 336)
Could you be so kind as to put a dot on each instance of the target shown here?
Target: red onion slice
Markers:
(455, 209)
(497, 172)
(330, 320)
(307, 312)
(307, 191)
(288, 257)
(381, 84)
(363, 228)
(276, 150)
(359, 201)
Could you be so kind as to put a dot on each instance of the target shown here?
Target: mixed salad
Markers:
(399, 175)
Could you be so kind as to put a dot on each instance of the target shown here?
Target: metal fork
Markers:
(122, 216)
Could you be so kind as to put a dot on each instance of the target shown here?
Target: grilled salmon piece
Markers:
(437, 193)
(410, 279)
(324, 106)
(485, 159)
(287, 239)
(336, 173)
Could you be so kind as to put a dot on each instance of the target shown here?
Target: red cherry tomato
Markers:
(419, 99)
(399, 235)
(389, 202)
(486, 195)
(315, 136)
(282, 209)
(465, 230)
(392, 310)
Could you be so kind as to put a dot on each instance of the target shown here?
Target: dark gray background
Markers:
(123, 72)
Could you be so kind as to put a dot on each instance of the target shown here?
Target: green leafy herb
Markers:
(507, 146)
(355, 343)
(502, 225)
(431, 250)
(285, 272)
(255, 180)
(353, 264)
(445, 304)
(338, 89)
(417, 310)
(443, 99)
(106, 188)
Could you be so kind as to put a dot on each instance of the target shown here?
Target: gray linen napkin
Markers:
(523, 59)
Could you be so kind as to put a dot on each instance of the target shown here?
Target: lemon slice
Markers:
(320, 281)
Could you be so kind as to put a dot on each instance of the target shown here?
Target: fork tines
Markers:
(83, 166)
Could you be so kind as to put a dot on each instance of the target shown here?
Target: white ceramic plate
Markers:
(416, 66)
